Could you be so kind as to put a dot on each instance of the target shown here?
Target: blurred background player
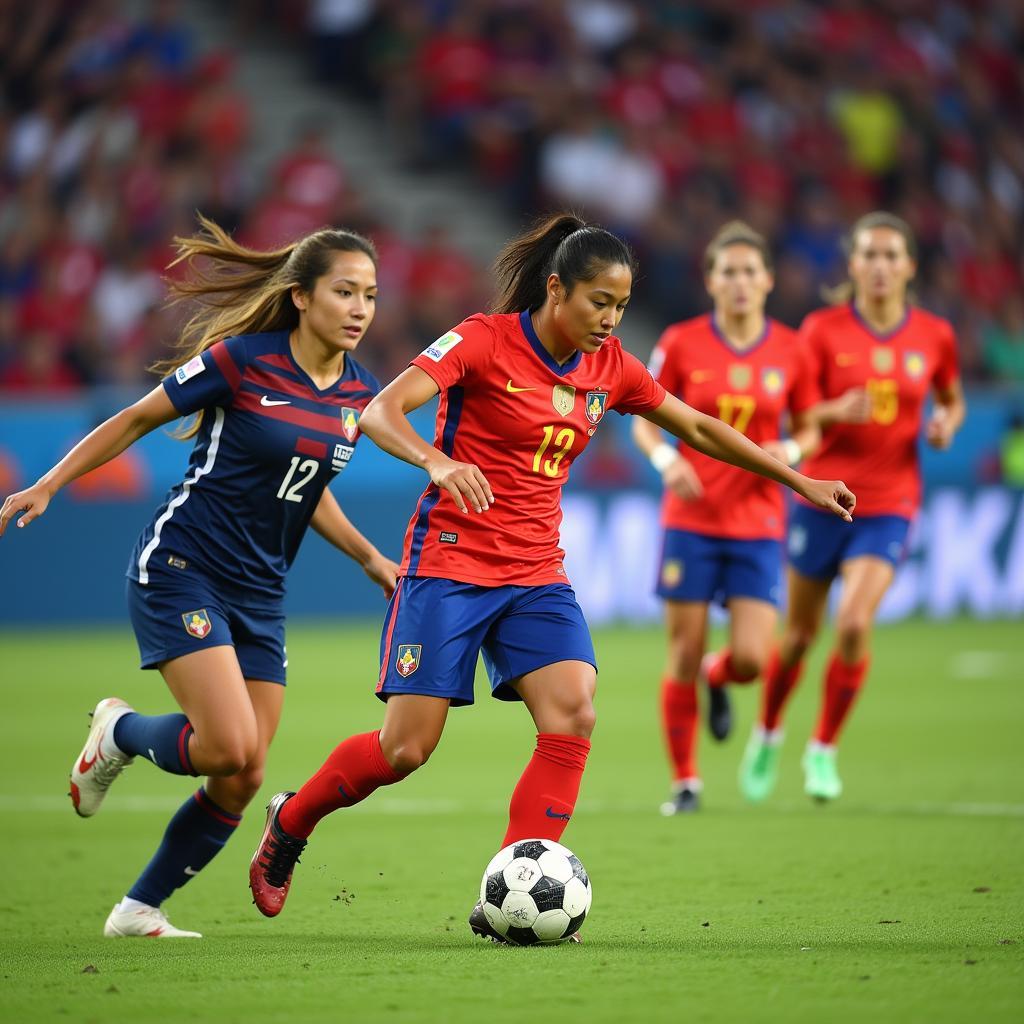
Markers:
(522, 392)
(873, 361)
(277, 405)
(723, 527)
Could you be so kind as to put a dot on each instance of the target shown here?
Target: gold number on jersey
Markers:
(736, 410)
(563, 441)
(885, 400)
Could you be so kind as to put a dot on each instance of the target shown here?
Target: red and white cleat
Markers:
(142, 922)
(100, 761)
(270, 870)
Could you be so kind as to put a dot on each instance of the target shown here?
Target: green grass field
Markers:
(902, 902)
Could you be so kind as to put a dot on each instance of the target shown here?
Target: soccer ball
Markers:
(535, 891)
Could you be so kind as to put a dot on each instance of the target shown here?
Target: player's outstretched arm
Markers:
(717, 439)
(336, 528)
(386, 422)
(106, 442)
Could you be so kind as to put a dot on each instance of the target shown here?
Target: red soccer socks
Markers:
(842, 684)
(679, 722)
(779, 682)
(721, 670)
(545, 796)
(355, 768)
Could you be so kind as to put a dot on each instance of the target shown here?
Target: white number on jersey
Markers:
(307, 470)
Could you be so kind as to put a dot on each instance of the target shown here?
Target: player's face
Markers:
(880, 266)
(589, 314)
(739, 282)
(341, 305)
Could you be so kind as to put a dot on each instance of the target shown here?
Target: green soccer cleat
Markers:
(759, 769)
(821, 776)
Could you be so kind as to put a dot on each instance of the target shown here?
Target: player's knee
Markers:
(852, 632)
(683, 662)
(230, 756)
(235, 792)
(747, 663)
(407, 755)
(580, 718)
(798, 639)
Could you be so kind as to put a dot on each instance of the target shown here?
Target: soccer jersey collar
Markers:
(542, 353)
(347, 372)
(735, 349)
(880, 335)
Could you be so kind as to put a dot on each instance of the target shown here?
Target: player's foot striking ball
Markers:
(532, 892)
(759, 769)
(100, 761)
(821, 773)
(131, 919)
(270, 871)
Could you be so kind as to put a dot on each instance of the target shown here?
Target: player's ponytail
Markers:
(841, 294)
(244, 291)
(562, 244)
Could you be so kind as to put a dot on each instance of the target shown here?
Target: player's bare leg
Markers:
(865, 581)
(413, 724)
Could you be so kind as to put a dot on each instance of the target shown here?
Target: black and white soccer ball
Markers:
(535, 892)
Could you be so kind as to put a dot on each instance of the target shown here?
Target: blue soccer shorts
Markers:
(695, 567)
(173, 616)
(820, 542)
(434, 629)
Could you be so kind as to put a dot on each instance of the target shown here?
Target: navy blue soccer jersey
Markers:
(269, 443)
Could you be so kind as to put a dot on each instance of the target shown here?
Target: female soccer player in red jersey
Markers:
(277, 406)
(723, 527)
(873, 362)
(521, 392)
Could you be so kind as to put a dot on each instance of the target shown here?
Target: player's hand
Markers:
(938, 431)
(383, 572)
(32, 501)
(463, 481)
(853, 406)
(831, 495)
(681, 478)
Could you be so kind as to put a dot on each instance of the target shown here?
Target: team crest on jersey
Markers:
(882, 359)
(350, 422)
(913, 364)
(772, 380)
(408, 659)
(563, 398)
(739, 375)
(672, 573)
(596, 402)
(197, 623)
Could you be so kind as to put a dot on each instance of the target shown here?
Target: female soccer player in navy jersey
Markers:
(277, 406)
(873, 360)
(521, 393)
(723, 527)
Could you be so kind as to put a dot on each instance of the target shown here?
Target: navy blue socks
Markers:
(163, 739)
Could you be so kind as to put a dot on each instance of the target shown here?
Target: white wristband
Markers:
(663, 456)
(794, 453)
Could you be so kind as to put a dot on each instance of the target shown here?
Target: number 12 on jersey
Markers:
(306, 469)
(563, 441)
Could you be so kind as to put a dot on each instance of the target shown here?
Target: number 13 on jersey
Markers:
(563, 442)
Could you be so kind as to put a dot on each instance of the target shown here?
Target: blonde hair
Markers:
(841, 294)
(245, 291)
(736, 232)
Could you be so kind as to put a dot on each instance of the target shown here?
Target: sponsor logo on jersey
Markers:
(339, 460)
(563, 398)
(772, 380)
(408, 659)
(442, 346)
(913, 364)
(739, 375)
(672, 573)
(882, 359)
(596, 402)
(350, 422)
(189, 370)
(448, 538)
(197, 623)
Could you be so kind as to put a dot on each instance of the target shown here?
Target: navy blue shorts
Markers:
(434, 629)
(820, 542)
(176, 616)
(695, 567)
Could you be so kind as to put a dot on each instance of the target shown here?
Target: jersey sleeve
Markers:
(639, 392)
(664, 363)
(455, 355)
(208, 379)
(947, 366)
(808, 389)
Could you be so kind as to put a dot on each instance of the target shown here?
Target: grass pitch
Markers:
(902, 902)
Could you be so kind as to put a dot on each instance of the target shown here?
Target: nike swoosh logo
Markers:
(552, 813)
(847, 359)
(84, 765)
(191, 871)
(700, 375)
(273, 401)
(512, 389)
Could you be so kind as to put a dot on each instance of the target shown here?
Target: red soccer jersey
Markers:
(877, 460)
(747, 388)
(508, 407)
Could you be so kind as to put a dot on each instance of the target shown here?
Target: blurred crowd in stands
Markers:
(661, 119)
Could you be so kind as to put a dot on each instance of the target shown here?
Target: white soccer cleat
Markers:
(143, 923)
(100, 761)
